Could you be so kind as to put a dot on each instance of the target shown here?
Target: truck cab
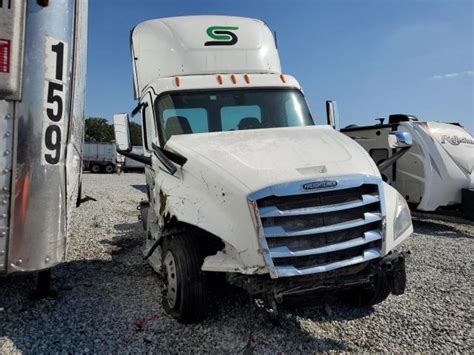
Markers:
(242, 182)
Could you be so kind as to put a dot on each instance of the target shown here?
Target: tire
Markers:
(95, 168)
(364, 297)
(109, 169)
(185, 297)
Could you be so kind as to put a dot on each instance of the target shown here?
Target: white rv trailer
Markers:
(242, 182)
(42, 87)
(437, 171)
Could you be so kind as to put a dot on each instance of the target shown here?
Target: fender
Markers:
(216, 205)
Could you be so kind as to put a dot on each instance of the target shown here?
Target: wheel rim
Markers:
(172, 281)
(95, 168)
(109, 168)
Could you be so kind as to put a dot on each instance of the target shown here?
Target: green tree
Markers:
(97, 129)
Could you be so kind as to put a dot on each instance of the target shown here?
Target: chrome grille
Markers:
(305, 232)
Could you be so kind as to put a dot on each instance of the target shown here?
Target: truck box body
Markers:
(99, 155)
(442, 155)
(99, 152)
(42, 86)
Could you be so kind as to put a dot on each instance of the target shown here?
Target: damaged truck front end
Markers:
(319, 236)
(326, 236)
(242, 183)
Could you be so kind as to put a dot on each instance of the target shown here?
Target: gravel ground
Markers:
(109, 300)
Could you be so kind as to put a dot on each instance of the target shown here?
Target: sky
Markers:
(374, 57)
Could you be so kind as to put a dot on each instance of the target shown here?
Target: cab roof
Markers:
(197, 45)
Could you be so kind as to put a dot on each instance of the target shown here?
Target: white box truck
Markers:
(438, 169)
(242, 182)
(100, 157)
(42, 86)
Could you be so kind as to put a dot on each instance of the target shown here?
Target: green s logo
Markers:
(222, 35)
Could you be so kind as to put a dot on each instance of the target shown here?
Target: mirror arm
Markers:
(389, 162)
(174, 157)
(165, 161)
(138, 108)
(141, 158)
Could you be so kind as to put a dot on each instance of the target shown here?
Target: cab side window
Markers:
(148, 126)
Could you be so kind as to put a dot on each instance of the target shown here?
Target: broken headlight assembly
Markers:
(402, 217)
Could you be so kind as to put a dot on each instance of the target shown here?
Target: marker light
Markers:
(247, 79)
(282, 78)
(177, 81)
(4, 56)
(219, 79)
(233, 78)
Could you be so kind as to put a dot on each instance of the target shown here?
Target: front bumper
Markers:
(393, 265)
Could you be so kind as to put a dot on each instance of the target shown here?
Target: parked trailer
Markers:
(100, 157)
(42, 86)
(437, 171)
(242, 182)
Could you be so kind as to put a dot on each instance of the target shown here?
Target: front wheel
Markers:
(185, 295)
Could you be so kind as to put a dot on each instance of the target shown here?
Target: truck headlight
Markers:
(402, 217)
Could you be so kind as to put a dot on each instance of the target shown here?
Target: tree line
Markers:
(98, 129)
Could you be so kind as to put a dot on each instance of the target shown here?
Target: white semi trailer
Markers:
(42, 85)
(99, 157)
(438, 169)
(241, 181)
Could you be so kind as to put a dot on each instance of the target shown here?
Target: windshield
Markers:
(229, 110)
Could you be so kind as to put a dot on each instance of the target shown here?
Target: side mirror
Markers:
(122, 132)
(332, 114)
(122, 139)
(399, 140)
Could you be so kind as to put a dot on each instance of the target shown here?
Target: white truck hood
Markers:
(264, 157)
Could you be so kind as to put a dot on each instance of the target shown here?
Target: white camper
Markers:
(42, 85)
(242, 182)
(437, 171)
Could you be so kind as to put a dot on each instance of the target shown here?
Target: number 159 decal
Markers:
(54, 104)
